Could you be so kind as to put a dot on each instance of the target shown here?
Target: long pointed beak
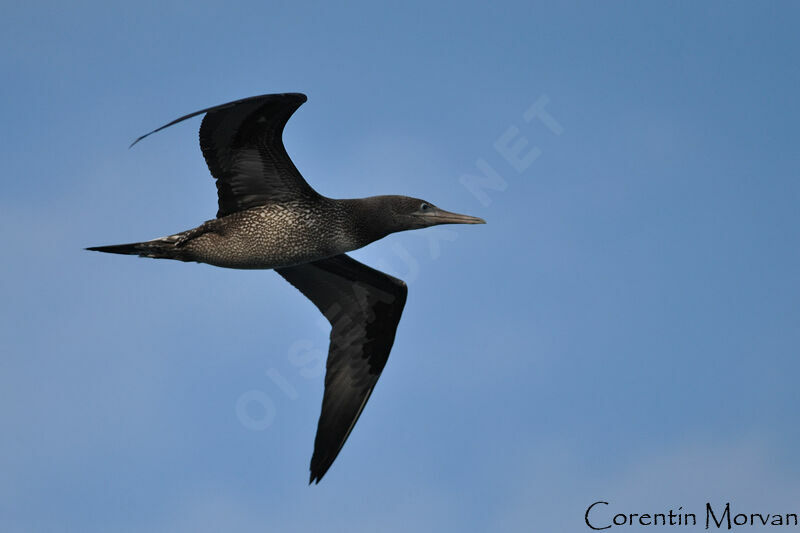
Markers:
(441, 216)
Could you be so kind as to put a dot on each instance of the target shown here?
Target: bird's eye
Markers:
(424, 207)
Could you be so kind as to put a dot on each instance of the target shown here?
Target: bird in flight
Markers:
(270, 218)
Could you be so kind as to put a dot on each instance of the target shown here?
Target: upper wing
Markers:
(363, 306)
(243, 147)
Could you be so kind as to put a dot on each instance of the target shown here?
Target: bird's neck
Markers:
(367, 218)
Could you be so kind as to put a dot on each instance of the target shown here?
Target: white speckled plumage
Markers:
(273, 236)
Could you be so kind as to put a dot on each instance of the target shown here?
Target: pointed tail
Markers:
(164, 248)
(130, 249)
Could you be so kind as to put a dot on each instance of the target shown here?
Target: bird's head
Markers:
(413, 213)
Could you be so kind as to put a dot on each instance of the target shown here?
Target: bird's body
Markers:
(272, 236)
(270, 218)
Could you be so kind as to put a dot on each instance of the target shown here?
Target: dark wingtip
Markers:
(316, 476)
(137, 140)
(300, 96)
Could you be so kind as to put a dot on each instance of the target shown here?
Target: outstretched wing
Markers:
(363, 306)
(243, 147)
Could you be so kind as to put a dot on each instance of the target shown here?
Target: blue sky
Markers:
(624, 328)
